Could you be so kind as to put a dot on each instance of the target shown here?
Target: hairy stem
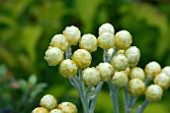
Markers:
(114, 96)
(142, 107)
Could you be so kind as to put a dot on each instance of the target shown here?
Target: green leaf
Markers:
(32, 80)
(30, 37)
(38, 89)
(86, 10)
(23, 85)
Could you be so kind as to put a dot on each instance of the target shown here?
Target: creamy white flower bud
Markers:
(166, 70)
(56, 111)
(154, 93)
(82, 58)
(107, 27)
(40, 110)
(91, 76)
(162, 80)
(106, 71)
(68, 68)
(88, 42)
(72, 35)
(123, 39)
(133, 55)
(106, 40)
(53, 56)
(137, 72)
(152, 69)
(59, 41)
(136, 87)
(48, 101)
(119, 62)
(119, 79)
(67, 107)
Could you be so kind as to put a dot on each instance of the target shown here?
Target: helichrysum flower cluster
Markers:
(49, 104)
(119, 66)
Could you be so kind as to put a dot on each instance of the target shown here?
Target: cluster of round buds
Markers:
(49, 104)
(160, 78)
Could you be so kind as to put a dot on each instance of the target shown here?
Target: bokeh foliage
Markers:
(26, 27)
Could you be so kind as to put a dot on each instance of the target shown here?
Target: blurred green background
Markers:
(27, 26)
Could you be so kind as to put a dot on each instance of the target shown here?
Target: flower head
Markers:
(91, 76)
(72, 35)
(53, 56)
(82, 58)
(48, 101)
(88, 42)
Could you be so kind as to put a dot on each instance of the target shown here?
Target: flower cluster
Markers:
(49, 104)
(119, 67)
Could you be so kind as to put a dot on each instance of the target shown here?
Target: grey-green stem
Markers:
(142, 107)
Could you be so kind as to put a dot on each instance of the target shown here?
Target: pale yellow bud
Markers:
(59, 41)
(40, 110)
(68, 68)
(72, 35)
(166, 70)
(106, 41)
(162, 80)
(123, 39)
(119, 79)
(56, 111)
(136, 87)
(154, 93)
(88, 42)
(91, 76)
(152, 69)
(119, 62)
(53, 56)
(137, 72)
(67, 107)
(82, 58)
(107, 27)
(133, 55)
(106, 71)
(48, 101)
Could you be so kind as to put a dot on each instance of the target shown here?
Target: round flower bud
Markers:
(56, 111)
(106, 71)
(136, 87)
(72, 35)
(40, 110)
(91, 76)
(67, 107)
(119, 62)
(152, 69)
(68, 68)
(154, 93)
(166, 70)
(48, 101)
(137, 72)
(133, 55)
(53, 56)
(162, 80)
(82, 58)
(107, 27)
(123, 39)
(119, 79)
(106, 41)
(88, 42)
(59, 41)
